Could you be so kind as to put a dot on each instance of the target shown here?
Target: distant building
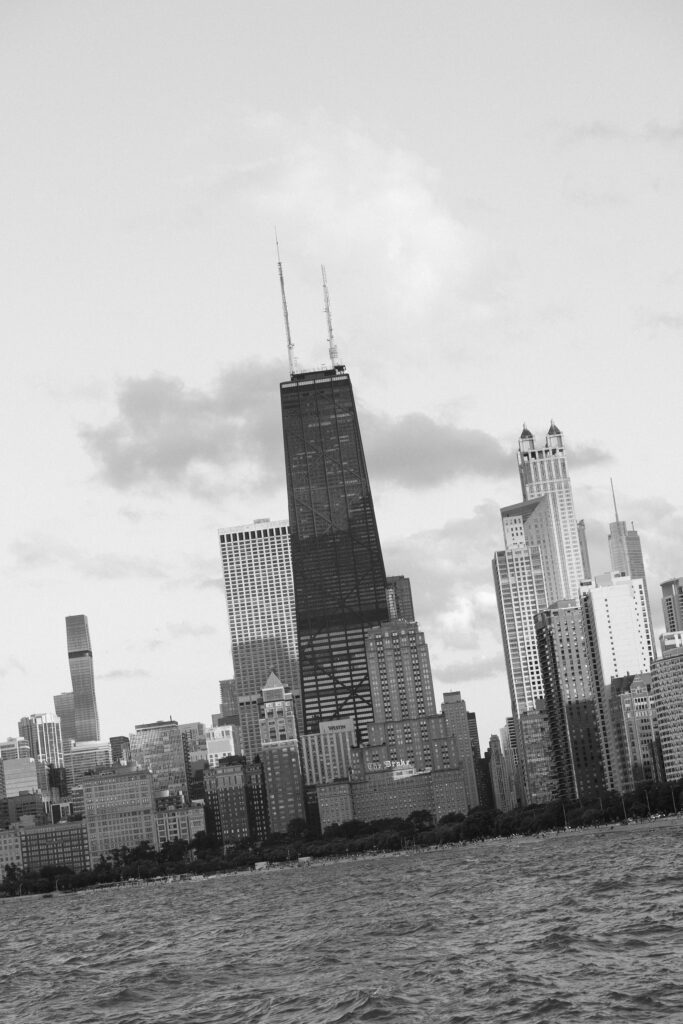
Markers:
(82, 758)
(118, 805)
(44, 735)
(326, 754)
(334, 803)
(337, 565)
(228, 798)
(625, 552)
(619, 643)
(220, 742)
(19, 775)
(10, 849)
(400, 598)
(667, 690)
(87, 723)
(158, 746)
(502, 782)
(399, 670)
(14, 747)
(571, 701)
(672, 605)
(179, 823)
(257, 572)
(120, 749)
(66, 712)
(459, 722)
(63, 845)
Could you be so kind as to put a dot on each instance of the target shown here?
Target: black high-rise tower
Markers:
(339, 578)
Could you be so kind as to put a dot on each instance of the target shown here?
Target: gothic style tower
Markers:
(544, 471)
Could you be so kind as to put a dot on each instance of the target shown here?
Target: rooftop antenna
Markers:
(290, 345)
(334, 356)
(616, 514)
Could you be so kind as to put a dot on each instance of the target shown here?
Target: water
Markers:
(583, 926)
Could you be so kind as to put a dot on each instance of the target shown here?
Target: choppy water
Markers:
(580, 927)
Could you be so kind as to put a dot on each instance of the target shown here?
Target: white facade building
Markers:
(220, 742)
(257, 570)
(544, 471)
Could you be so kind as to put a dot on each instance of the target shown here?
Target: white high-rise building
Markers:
(619, 643)
(544, 471)
(44, 734)
(520, 591)
(257, 569)
(542, 563)
(621, 624)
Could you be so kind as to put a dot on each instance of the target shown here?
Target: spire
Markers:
(525, 431)
(290, 345)
(330, 336)
(553, 429)
(616, 514)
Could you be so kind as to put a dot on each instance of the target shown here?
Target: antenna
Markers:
(616, 514)
(290, 345)
(334, 357)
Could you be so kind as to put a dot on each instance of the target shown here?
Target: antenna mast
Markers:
(334, 356)
(616, 514)
(290, 345)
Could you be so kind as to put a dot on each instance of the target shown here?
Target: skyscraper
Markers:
(619, 643)
(625, 551)
(544, 471)
(86, 721)
(667, 687)
(257, 570)
(158, 746)
(672, 605)
(573, 710)
(44, 735)
(542, 563)
(339, 577)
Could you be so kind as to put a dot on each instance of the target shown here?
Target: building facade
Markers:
(158, 747)
(257, 572)
(86, 720)
(337, 565)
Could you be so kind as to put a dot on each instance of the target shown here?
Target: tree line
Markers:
(204, 855)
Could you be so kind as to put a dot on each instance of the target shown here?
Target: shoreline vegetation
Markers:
(204, 857)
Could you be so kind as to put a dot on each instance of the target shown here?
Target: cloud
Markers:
(190, 629)
(39, 553)
(477, 668)
(12, 667)
(669, 321)
(167, 433)
(416, 451)
(330, 187)
(450, 573)
(610, 131)
(588, 455)
(124, 673)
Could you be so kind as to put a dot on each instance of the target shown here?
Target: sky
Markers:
(495, 191)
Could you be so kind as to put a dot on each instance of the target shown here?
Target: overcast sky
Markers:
(496, 191)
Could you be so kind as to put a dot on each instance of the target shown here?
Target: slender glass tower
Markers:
(339, 577)
(86, 721)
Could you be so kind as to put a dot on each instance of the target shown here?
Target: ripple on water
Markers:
(568, 929)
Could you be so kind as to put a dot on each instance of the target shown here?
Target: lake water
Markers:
(583, 926)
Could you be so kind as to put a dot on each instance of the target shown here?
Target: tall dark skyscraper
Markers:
(337, 565)
(86, 721)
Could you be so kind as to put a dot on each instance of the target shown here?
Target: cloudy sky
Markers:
(495, 190)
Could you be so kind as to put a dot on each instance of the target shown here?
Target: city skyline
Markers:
(518, 261)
